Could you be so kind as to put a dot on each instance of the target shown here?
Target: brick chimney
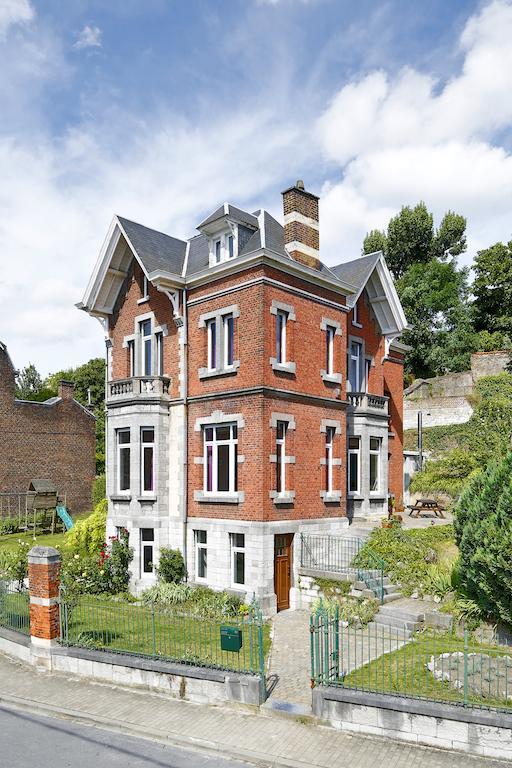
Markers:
(301, 225)
(66, 390)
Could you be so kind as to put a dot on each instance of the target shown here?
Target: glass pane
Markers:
(353, 461)
(124, 436)
(212, 330)
(223, 433)
(353, 442)
(147, 557)
(229, 340)
(230, 246)
(148, 468)
(374, 443)
(281, 429)
(145, 327)
(239, 540)
(124, 469)
(147, 534)
(147, 357)
(148, 435)
(374, 472)
(202, 562)
(201, 537)
(279, 477)
(329, 435)
(209, 468)
(208, 434)
(223, 468)
(234, 430)
(239, 575)
(280, 323)
(217, 250)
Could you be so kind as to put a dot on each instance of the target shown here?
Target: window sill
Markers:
(282, 498)
(331, 378)
(204, 373)
(282, 367)
(121, 497)
(355, 496)
(356, 324)
(143, 300)
(377, 497)
(219, 498)
(329, 498)
(147, 498)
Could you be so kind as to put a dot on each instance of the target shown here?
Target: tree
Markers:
(492, 289)
(409, 238)
(28, 383)
(374, 241)
(450, 238)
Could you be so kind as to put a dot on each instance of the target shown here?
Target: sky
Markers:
(160, 110)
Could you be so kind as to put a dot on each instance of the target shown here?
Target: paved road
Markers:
(31, 741)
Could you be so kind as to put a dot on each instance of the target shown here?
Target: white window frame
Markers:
(230, 251)
(355, 315)
(367, 369)
(330, 331)
(228, 319)
(281, 325)
(358, 358)
(131, 354)
(236, 549)
(212, 345)
(281, 459)
(217, 252)
(354, 452)
(145, 287)
(200, 545)
(232, 442)
(149, 446)
(147, 544)
(144, 340)
(377, 452)
(330, 433)
(120, 448)
(159, 352)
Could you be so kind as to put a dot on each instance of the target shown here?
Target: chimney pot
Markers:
(300, 184)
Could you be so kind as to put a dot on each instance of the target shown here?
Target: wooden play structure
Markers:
(41, 509)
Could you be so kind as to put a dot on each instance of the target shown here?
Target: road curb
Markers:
(197, 744)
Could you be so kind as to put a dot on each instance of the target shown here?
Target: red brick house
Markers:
(54, 440)
(253, 392)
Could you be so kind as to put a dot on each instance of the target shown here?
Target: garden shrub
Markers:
(106, 572)
(447, 475)
(483, 526)
(14, 564)
(171, 568)
(99, 489)
(351, 610)
(87, 536)
(8, 525)
(200, 601)
(167, 593)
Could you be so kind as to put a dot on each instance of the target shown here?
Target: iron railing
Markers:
(428, 664)
(342, 554)
(164, 634)
(14, 607)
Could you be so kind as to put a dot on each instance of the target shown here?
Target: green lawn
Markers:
(10, 542)
(488, 671)
(125, 627)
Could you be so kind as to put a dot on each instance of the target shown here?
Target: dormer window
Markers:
(218, 251)
(222, 248)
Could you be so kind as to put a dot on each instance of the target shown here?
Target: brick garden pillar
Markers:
(43, 586)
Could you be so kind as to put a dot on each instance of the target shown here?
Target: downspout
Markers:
(185, 423)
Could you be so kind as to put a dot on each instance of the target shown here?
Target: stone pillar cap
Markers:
(39, 555)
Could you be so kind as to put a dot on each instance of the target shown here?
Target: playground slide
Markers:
(65, 516)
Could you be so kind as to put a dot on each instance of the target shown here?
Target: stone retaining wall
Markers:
(475, 731)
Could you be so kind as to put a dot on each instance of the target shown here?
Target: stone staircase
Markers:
(371, 587)
(404, 615)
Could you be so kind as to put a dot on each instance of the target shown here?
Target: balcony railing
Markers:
(363, 401)
(139, 387)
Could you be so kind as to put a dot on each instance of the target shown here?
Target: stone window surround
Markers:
(331, 496)
(362, 372)
(275, 307)
(217, 315)
(230, 229)
(155, 329)
(330, 378)
(216, 418)
(288, 496)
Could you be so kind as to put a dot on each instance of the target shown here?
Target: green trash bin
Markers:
(230, 638)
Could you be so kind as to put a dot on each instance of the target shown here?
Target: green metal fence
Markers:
(14, 607)
(342, 554)
(163, 634)
(429, 664)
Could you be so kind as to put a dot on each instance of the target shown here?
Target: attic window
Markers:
(222, 248)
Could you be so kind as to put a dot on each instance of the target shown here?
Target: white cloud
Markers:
(89, 37)
(401, 140)
(14, 12)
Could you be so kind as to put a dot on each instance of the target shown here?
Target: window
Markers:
(123, 460)
(281, 320)
(220, 459)
(231, 246)
(354, 370)
(211, 330)
(147, 538)
(329, 447)
(229, 340)
(353, 464)
(147, 470)
(281, 430)
(218, 251)
(374, 464)
(145, 334)
(201, 555)
(145, 287)
(159, 337)
(329, 350)
(131, 356)
(238, 558)
(355, 315)
(367, 369)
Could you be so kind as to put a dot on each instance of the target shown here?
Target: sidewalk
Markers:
(264, 740)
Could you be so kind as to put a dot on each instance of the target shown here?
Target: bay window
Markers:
(147, 440)
(123, 460)
(220, 459)
(237, 558)
(354, 465)
(375, 451)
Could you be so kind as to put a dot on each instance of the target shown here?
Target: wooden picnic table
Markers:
(426, 507)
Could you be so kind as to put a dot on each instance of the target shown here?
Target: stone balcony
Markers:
(363, 402)
(138, 388)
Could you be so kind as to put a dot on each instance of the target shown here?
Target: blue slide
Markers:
(65, 516)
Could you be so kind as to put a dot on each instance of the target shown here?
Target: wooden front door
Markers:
(283, 569)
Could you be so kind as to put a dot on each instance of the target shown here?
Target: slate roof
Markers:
(233, 212)
(156, 250)
(358, 271)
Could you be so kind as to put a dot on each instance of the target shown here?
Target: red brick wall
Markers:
(52, 442)
(394, 387)
(374, 345)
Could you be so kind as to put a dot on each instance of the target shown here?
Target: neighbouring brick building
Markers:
(54, 440)
(253, 393)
